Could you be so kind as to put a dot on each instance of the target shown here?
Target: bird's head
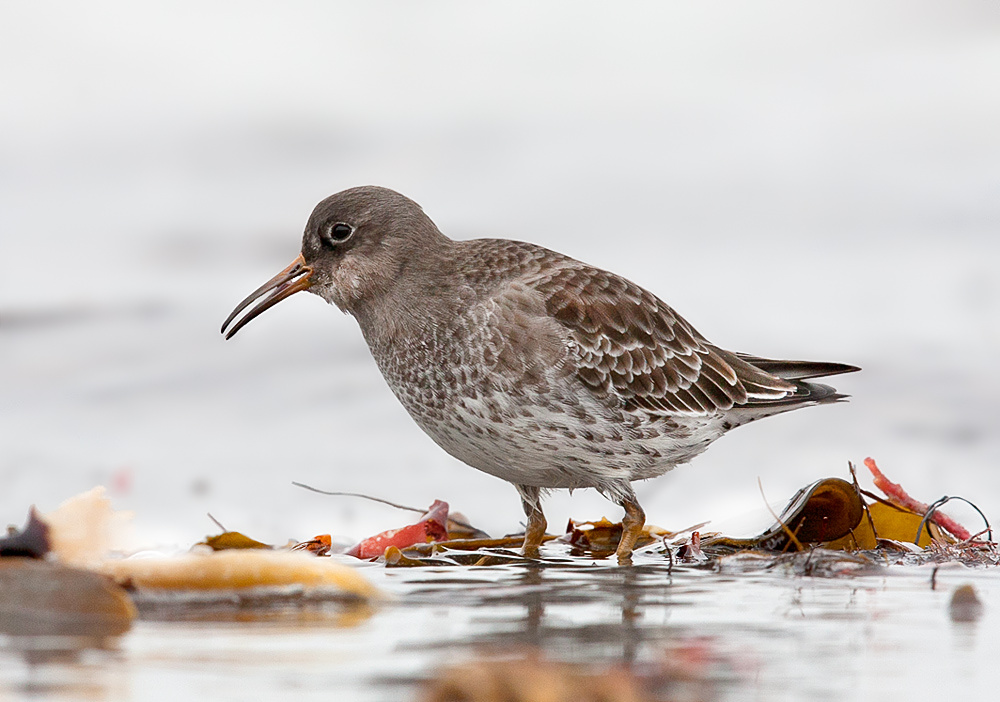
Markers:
(354, 249)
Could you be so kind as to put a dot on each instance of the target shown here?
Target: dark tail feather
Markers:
(805, 395)
(797, 370)
(810, 394)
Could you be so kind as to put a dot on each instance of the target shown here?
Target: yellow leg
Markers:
(632, 524)
(533, 533)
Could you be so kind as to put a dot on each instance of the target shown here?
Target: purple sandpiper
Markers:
(527, 364)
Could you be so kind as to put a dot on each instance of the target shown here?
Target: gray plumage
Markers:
(528, 364)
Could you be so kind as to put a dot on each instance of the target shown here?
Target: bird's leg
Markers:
(632, 524)
(531, 501)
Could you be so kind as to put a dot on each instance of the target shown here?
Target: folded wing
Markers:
(629, 344)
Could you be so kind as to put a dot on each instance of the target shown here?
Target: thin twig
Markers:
(864, 505)
(217, 522)
(379, 499)
(358, 494)
(972, 539)
(791, 535)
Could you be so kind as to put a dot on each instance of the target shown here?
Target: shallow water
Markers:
(719, 634)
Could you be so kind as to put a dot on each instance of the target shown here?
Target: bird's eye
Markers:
(334, 234)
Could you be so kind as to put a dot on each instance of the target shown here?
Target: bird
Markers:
(527, 364)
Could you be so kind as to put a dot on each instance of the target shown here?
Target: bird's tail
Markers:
(797, 370)
(797, 373)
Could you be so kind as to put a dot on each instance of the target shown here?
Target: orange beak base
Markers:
(295, 278)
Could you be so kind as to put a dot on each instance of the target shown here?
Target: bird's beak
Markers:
(295, 278)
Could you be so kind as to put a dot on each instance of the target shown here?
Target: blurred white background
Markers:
(798, 180)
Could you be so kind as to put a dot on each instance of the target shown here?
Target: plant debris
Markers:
(30, 542)
(38, 598)
(232, 540)
(965, 605)
(84, 530)
(898, 529)
(533, 680)
(601, 538)
(898, 496)
(317, 545)
(64, 564)
(822, 512)
(687, 671)
(458, 525)
(431, 527)
(828, 517)
(238, 569)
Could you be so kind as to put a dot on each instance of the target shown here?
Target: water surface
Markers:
(770, 634)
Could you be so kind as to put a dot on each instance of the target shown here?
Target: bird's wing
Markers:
(628, 343)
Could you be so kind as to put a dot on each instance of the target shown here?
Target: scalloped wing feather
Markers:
(631, 345)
